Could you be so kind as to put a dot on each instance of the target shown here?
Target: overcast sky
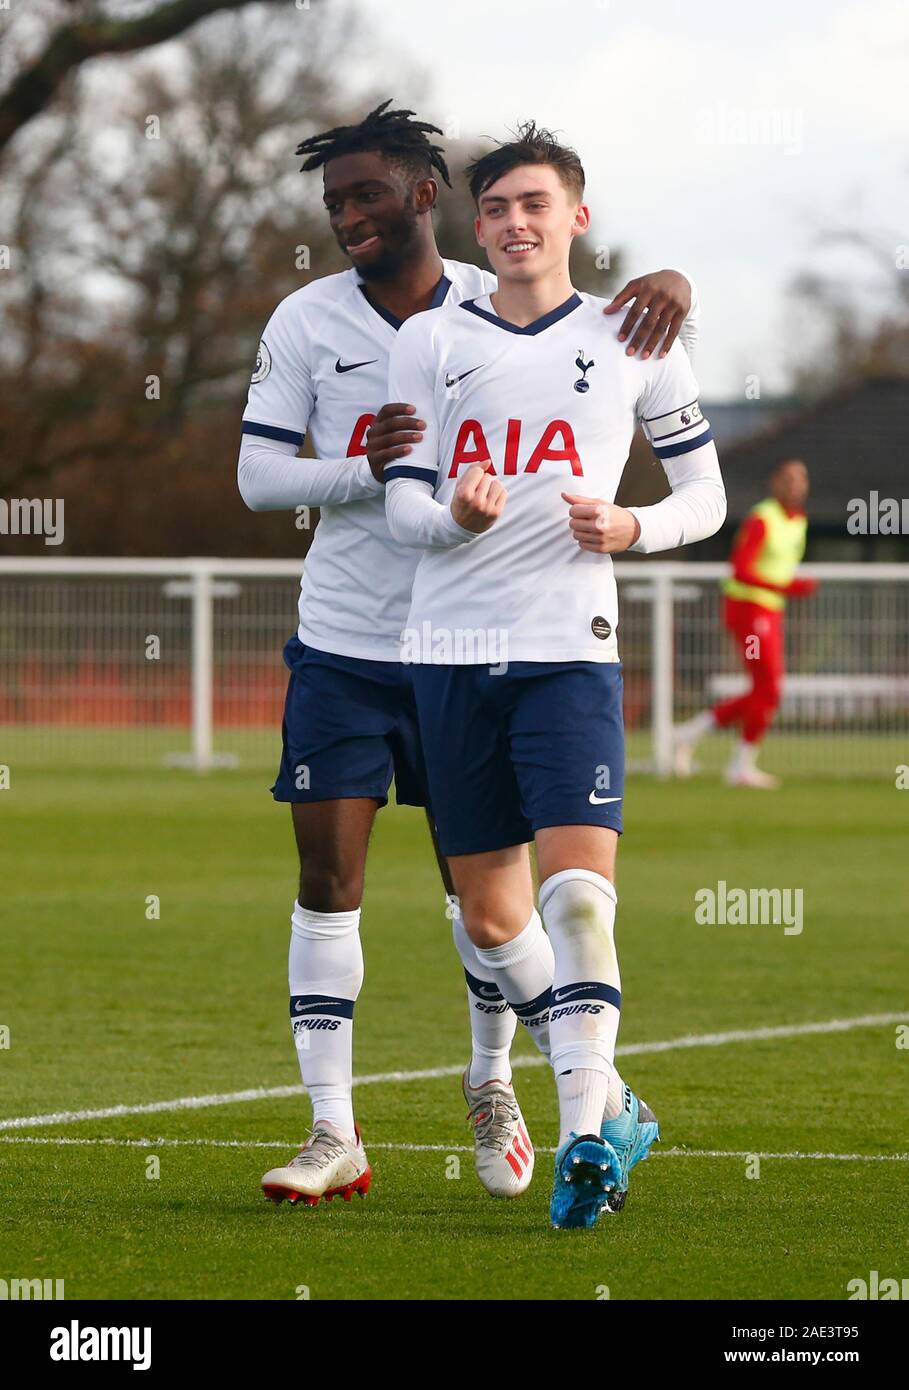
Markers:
(727, 139)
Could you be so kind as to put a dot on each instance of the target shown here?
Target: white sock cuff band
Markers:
(323, 926)
(591, 1054)
(555, 881)
(515, 950)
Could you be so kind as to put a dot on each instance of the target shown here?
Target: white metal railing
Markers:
(76, 674)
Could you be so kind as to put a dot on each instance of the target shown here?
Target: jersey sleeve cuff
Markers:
(640, 544)
(365, 476)
(456, 530)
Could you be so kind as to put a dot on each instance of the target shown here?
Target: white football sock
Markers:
(615, 1096)
(744, 757)
(492, 1022)
(538, 951)
(325, 971)
(692, 729)
(578, 908)
(582, 1096)
(522, 968)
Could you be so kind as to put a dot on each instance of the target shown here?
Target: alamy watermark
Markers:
(79, 1343)
(750, 907)
(751, 125)
(457, 646)
(875, 1288)
(33, 516)
(877, 516)
(28, 1290)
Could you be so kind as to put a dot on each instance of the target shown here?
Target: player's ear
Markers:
(426, 194)
(479, 235)
(581, 221)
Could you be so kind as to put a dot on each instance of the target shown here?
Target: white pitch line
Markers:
(427, 1148)
(112, 1112)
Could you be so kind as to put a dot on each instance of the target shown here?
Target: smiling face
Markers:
(376, 211)
(527, 221)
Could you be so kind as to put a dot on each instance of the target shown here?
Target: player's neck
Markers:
(412, 289)
(522, 303)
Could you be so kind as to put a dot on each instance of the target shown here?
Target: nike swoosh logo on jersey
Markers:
(453, 380)
(352, 366)
(601, 800)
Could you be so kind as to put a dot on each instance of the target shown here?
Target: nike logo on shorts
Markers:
(601, 800)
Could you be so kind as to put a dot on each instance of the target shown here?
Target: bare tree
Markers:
(860, 321)
(154, 226)
(98, 29)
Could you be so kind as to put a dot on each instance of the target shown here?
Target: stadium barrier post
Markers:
(661, 658)
(202, 660)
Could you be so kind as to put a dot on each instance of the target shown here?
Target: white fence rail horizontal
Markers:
(111, 661)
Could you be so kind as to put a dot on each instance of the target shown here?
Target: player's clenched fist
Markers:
(601, 526)
(479, 499)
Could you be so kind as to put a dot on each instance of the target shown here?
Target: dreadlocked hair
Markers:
(392, 133)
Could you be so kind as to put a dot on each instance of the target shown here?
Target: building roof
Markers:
(854, 440)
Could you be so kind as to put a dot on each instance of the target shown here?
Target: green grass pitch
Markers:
(105, 1007)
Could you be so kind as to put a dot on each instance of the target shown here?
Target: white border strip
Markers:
(112, 1112)
(62, 1141)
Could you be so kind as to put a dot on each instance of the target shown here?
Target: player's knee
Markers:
(486, 931)
(328, 888)
(581, 905)
(490, 925)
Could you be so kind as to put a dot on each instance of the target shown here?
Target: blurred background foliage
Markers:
(154, 215)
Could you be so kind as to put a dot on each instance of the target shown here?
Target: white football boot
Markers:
(752, 777)
(502, 1149)
(685, 737)
(328, 1165)
(682, 752)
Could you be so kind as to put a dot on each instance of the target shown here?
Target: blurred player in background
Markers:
(766, 553)
(530, 400)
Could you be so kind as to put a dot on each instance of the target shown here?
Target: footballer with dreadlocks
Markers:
(350, 721)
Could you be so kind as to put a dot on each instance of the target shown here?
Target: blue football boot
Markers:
(587, 1168)
(630, 1135)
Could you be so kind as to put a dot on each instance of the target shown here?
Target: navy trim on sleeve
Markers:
(685, 447)
(273, 432)
(403, 470)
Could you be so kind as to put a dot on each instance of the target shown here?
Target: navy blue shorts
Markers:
(542, 744)
(349, 727)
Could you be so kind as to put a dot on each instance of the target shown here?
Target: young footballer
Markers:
(350, 717)
(530, 403)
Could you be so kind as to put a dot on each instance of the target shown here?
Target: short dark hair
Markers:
(391, 133)
(531, 145)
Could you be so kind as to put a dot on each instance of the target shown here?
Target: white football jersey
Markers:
(322, 369)
(554, 407)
